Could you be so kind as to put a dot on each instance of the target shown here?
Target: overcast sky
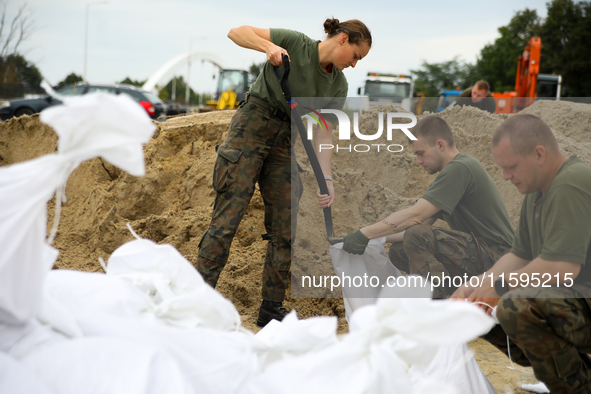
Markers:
(133, 38)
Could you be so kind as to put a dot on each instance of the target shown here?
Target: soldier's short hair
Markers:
(525, 132)
(482, 84)
(432, 128)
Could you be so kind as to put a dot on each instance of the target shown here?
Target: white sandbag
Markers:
(178, 292)
(98, 124)
(292, 337)
(106, 306)
(372, 263)
(16, 378)
(82, 293)
(341, 368)
(387, 340)
(433, 322)
(55, 315)
(25, 189)
(363, 363)
(429, 336)
(106, 366)
(455, 366)
(101, 124)
(211, 361)
(62, 364)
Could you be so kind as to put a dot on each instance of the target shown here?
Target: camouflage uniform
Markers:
(438, 251)
(258, 148)
(550, 330)
(552, 325)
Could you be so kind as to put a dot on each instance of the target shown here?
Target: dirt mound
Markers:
(172, 203)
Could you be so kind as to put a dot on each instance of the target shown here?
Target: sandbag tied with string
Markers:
(98, 124)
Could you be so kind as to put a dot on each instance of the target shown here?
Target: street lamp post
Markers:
(188, 89)
(86, 36)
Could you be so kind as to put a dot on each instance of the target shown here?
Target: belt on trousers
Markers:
(273, 112)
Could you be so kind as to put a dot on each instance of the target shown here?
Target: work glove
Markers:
(355, 243)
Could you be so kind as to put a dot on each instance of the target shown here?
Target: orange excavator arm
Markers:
(528, 68)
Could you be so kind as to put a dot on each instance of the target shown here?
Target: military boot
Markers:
(271, 310)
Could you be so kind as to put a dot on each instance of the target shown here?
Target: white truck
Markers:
(382, 89)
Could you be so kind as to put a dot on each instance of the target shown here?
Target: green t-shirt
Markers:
(306, 77)
(470, 201)
(556, 226)
(486, 104)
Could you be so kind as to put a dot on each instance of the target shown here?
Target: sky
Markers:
(133, 38)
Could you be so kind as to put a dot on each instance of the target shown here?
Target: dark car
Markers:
(150, 102)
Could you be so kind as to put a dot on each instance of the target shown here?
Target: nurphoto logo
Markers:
(345, 130)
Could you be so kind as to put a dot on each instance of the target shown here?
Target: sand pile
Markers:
(173, 202)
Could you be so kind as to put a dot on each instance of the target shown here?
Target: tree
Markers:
(566, 34)
(17, 75)
(180, 91)
(254, 70)
(70, 80)
(433, 77)
(497, 63)
(13, 33)
(129, 81)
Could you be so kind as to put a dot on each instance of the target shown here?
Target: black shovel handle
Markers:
(288, 94)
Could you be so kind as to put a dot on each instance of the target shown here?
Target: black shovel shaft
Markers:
(295, 116)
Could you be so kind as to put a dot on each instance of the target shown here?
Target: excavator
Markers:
(232, 86)
(529, 83)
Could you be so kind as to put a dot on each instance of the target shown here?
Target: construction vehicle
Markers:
(447, 97)
(232, 86)
(529, 83)
(382, 89)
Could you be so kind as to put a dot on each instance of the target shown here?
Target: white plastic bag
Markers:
(106, 366)
(372, 263)
(99, 124)
(178, 293)
(428, 336)
(16, 378)
(292, 337)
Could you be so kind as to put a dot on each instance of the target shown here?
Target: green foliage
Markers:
(13, 32)
(433, 77)
(18, 76)
(165, 93)
(70, 80)
(129, 81)
(254, 70)
(497, 63)
(566, 36)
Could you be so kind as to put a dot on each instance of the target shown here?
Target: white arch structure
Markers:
(169, 69)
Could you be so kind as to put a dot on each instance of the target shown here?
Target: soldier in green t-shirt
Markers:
(462, 194)
(545, 281)
(478, 96)
(258, 147)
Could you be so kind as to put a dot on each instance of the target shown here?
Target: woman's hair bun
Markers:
(331, 25)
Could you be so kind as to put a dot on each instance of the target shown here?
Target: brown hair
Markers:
(432, 128)
(482, 84)
(355, 29)
(525, 132)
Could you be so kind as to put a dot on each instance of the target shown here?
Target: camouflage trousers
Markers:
(435, 251)
(258, 148)
(549, 329)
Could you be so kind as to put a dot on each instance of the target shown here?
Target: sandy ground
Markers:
(172, 203)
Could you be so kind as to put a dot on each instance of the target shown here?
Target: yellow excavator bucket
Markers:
(227, 100)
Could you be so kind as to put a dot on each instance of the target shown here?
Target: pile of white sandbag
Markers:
(152, 325)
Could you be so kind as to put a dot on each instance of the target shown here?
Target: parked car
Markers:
(174, 108)
(18, 107)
